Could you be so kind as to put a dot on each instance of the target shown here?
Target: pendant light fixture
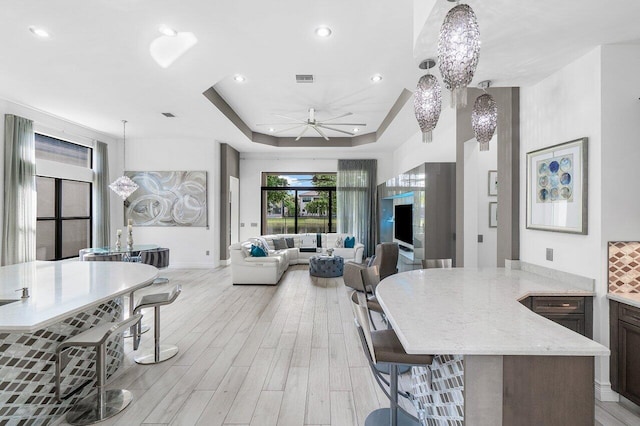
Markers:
(458, 51)
(124, 186)
(427, 101)
(484, 117)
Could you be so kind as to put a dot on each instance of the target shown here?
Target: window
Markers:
(298, 203)
(63, 205)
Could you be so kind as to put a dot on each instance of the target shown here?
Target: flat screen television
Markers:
(403, 223)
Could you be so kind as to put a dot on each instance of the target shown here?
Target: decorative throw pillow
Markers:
(372, 261)
(262, 243)
(290, 242)
(280, 244)
(349, 242)
(257, 251)
(339, 243)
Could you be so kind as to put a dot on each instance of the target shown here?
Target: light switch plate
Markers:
(480, 238)
(550, 254)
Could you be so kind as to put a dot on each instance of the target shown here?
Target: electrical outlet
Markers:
(480, 238)
(206, 253)
(550, 254)
(242, 225)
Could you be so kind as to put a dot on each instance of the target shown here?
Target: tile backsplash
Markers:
(624, 266)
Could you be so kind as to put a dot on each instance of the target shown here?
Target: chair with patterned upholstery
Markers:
(159, 258)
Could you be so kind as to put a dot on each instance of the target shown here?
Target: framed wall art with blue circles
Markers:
(557, 188)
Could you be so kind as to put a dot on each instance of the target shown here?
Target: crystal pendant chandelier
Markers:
(427, 101)
(458, 51)
(484, 117)
(124, 186)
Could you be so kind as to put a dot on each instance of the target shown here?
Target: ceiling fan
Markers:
(312, 123)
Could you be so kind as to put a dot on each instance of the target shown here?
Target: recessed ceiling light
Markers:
(323, 31)
(40, 32)
(168, 31)
(356, 130)
(376, 78)
(239, 78)
(271, 129)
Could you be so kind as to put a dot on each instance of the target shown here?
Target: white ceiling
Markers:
(96, 68)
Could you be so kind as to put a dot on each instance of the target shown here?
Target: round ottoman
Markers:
(326, 266)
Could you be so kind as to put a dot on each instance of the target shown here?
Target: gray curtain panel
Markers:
(19, 217)
(101, 195)
(356, 194)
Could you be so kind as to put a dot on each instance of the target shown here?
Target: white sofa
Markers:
(246, 269)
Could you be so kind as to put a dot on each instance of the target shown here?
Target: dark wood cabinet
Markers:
(625, 350)
(572, 312)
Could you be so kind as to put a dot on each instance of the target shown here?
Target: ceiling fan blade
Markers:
(321, 133)
(290, 118)
(335, 130)
(275, 124)
(302, 132)
(343, 124)
(340, 116)
(289, 128)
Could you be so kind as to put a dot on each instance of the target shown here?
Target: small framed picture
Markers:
(493, 215)
(557, 188)
(493, 182)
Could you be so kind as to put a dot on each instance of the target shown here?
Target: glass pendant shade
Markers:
(484, 119)
(123, 186)
(458, 51)
(427, 104)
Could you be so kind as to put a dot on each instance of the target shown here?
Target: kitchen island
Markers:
(65, 298)
(518, 367)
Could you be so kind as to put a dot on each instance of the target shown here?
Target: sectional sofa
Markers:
(246, 269)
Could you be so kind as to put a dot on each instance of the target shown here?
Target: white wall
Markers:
(566, 106)
(188, 245)
(476, 205)
(414, 152)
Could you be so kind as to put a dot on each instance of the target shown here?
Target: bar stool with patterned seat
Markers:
(160, 352)
(103, 403)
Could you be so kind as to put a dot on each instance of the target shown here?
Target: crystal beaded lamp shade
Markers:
(123, 186)
(458, 51)
(484, 119)
(427, 104)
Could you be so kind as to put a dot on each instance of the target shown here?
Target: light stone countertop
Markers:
(465, 311)
(61, 289)
(632, 299)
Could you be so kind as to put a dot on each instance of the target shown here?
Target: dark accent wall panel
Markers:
(229, 166)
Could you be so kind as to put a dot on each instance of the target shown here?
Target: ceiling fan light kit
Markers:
(458, 51)
(312, 123)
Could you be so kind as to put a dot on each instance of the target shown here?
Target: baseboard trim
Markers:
(193, 265)
(604, 392)
(225, 262)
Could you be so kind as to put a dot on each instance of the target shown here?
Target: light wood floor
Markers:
(261, 355)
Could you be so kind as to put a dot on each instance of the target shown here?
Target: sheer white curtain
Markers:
(101, 219)
(356, 194)
(19, 217)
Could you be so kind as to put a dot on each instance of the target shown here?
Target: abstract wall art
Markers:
(557, 188)
(168, 199)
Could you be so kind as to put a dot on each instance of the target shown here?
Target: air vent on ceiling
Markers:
(168, 115)
(304, 78)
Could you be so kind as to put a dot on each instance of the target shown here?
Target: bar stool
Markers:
(104, 403)
(159, 258)
(384, 346)
(160, 352)
(437, 263)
